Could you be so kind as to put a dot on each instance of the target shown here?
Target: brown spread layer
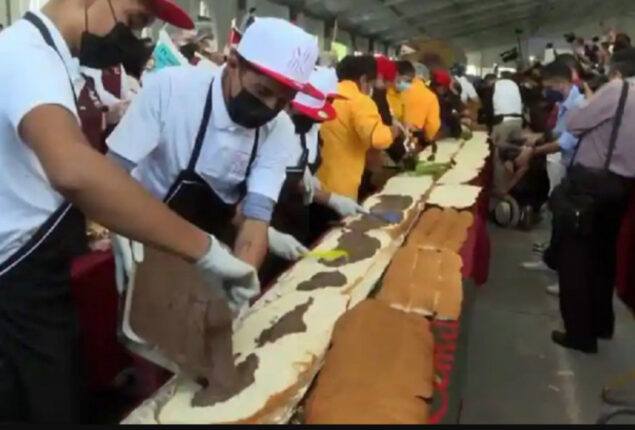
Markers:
(290, 323)
(359, 247)
(323, 280)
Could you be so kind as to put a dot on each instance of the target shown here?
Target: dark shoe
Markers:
(560, 338)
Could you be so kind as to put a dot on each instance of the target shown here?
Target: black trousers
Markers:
(586, 263)
(42, 385)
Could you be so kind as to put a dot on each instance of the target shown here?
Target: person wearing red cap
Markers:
(451, 107)
(386, 75)
(374, 173)
(49, 178)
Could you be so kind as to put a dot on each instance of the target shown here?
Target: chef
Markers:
(290, 233)
(49, 177)
(206, 141)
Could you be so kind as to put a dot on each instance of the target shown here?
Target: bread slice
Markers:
(379, 370)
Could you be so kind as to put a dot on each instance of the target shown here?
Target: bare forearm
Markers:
(103, 190)
(547, 148)
(122, 205)
(252, 243)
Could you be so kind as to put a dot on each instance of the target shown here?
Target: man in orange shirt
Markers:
(357, 129)
(421, 109)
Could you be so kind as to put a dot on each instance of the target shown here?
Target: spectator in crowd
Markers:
(577, 71)
(421, 108)
(507, 123)
(622, 41)
(468, 92)
(559, 145)
(559, 88)
(485, 92)
(592, 204)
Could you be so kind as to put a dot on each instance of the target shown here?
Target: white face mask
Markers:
(371, 93)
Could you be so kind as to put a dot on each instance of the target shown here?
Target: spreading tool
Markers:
(332, 255)
(387, 216)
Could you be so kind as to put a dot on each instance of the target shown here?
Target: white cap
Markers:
(323, 79)
(282, 51)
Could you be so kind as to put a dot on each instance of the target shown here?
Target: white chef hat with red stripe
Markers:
(324, 79)
(282, 51)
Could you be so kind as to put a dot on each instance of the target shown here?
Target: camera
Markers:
(510, 55)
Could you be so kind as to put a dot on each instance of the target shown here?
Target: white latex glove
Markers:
(239, 280)
(127, 255)
(285, 246)
(311, 186)
(344, 206)
(117, 111)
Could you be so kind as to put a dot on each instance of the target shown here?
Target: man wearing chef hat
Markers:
(206, 142)
(49, 176)
(289, 232)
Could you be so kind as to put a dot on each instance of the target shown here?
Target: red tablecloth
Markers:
(477, 248)
(97, 305)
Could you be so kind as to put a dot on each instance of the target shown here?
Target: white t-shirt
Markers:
(468, 92)
(159, 130)
(507, 99)
(31, 74)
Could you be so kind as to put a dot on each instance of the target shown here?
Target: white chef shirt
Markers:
(159, 130)
(507, 99)
(31, 74)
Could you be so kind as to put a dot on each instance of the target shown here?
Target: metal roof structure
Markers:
(474, 22)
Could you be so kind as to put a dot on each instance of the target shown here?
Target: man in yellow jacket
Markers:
(420, 105)
(357, 129)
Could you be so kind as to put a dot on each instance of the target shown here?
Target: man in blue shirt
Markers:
(558, 83)
(560, 146)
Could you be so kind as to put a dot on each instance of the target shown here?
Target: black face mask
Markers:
(119, 46)
(247, 110)
(303, 124)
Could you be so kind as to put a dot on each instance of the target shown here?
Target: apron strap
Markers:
(254, 152)
(202, 130)
(46, 35)
(304, 157)
(36, 240)
(617, 123)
